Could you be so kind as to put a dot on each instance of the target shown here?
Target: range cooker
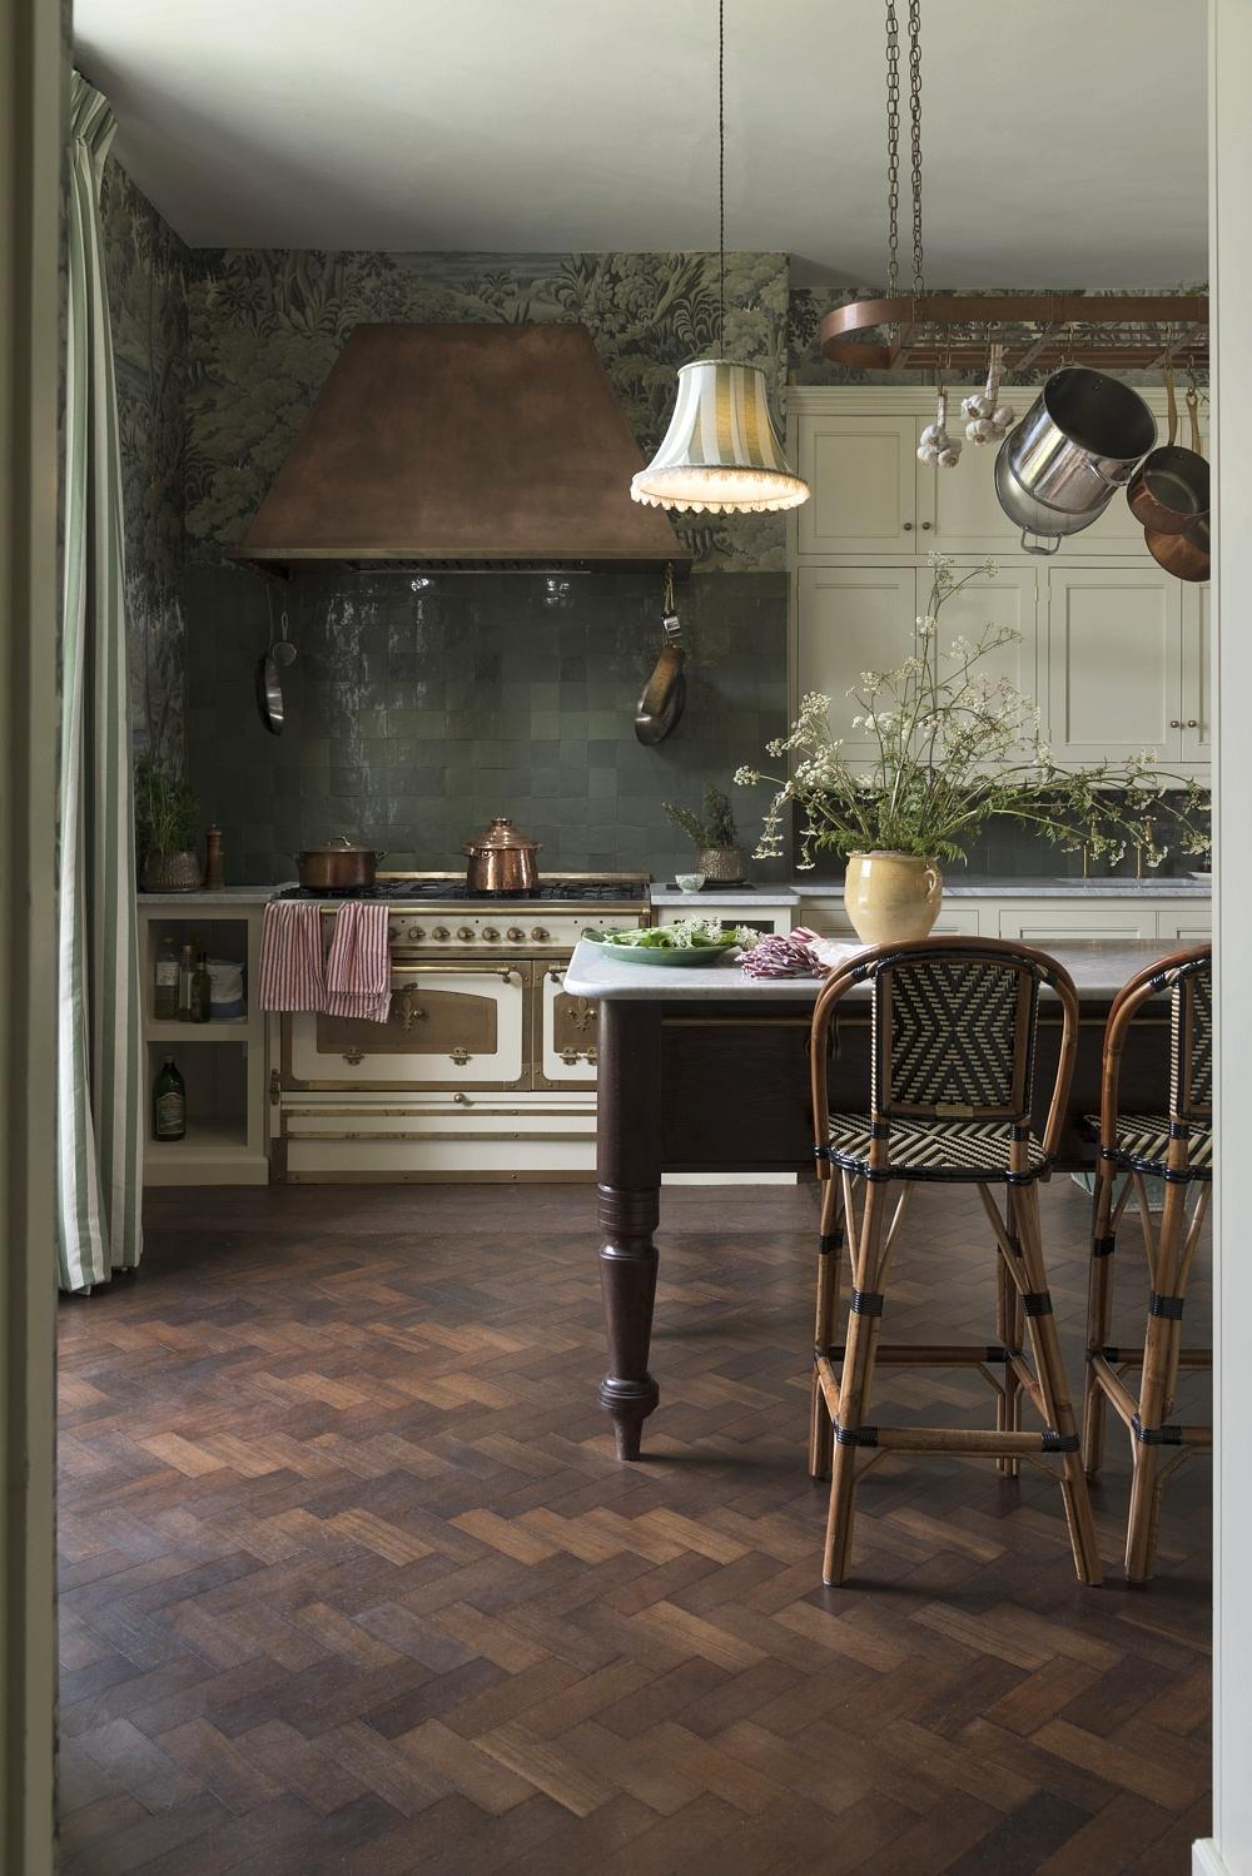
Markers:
(483, 1048)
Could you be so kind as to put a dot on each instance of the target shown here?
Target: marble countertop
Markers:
(746, 894)
(958, 885)
(1098, 966)
(228, 895)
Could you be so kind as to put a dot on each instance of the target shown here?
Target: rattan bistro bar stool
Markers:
(1177, 1146)
(952, 1047)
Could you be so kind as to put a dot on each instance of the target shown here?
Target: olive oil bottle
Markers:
(169, 1103)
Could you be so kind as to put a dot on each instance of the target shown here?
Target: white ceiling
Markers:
(1064, 143)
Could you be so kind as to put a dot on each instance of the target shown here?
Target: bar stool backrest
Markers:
(953, 1031)
(1191, 1041)
(1187, 978)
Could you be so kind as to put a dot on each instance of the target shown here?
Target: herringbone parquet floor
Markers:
(352, 1582)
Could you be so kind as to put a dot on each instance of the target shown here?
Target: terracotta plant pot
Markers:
(720, 865)
(891, 897)
(172, 872)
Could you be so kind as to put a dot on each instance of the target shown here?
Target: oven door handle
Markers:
(504, 971)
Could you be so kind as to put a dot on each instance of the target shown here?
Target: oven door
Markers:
(566, 1055)
(452, 1025)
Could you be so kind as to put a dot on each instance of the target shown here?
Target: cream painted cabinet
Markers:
(1051, 923)
(1114, 663)
(855, 619)
(1197, 674)
(851, 619)
(866, 497)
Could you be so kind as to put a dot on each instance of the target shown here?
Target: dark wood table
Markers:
(706, 1071)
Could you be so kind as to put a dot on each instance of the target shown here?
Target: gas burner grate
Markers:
(454, 890)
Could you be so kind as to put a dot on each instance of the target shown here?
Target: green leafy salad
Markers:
(686, 934)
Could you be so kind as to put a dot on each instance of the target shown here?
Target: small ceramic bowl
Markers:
(689, 882)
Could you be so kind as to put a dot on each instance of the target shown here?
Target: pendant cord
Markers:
(721, 177)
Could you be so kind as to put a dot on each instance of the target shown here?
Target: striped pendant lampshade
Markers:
(721, 452)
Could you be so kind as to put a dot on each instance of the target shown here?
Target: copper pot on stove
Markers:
(501, 860)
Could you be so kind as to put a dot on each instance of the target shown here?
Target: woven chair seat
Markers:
(1143, 1143)
(971, 1150)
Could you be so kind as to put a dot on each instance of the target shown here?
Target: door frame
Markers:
(33, 94)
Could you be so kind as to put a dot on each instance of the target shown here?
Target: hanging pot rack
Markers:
(1038, 331)
(952, 332)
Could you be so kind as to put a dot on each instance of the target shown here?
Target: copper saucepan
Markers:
(501, 860)
(338, 866)
(1186, 555)
(1170, 488)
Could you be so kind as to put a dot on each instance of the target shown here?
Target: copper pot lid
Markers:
(501, 837)
(339, 843)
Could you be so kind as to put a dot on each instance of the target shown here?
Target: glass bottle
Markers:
(201, 991)
(169, 1104)
(165, 987)
(186, 971)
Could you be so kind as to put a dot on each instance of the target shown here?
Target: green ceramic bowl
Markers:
(684, 959)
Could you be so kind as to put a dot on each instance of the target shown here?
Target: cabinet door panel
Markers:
(1197, 674)
(1052, 924)
(851, 619)
(1010, 598)
(861, 472)
(968, 515)
(1113, 658)
(1192, 927)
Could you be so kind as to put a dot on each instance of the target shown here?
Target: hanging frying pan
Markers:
(1170, 488)
(662, 700)
(269, 688)
(1186, 554)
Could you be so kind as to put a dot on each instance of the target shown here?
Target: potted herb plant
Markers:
(713, 833)
(954, 748)
(166, 820)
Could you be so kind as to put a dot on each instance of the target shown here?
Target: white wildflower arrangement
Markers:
(956, 747)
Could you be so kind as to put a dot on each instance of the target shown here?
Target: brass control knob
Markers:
(465, 933)
(491, 935)
(441, 932)
(416, 933)
(540, 936)
(515, 935)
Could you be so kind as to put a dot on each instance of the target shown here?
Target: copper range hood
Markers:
(462, 447)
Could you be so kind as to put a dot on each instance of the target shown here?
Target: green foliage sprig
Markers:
(954, 748)
(166, 809)
(715, 827)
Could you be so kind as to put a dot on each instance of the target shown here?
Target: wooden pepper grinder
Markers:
(214, 870)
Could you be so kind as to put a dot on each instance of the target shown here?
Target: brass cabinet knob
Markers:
(927, 526)
(515, 935)
(462, 1100)
(1175, 723)
(908, 527)
(465, 933)
(1193, 723)
(491, 935)
(441, 932)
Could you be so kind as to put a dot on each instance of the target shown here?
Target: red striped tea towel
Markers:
(358, 969)
(291, 971)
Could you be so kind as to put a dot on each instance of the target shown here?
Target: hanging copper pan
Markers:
(1170, 488)
(1186, 554)
(664, 696)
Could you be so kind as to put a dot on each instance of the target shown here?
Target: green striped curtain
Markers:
(99, 1073)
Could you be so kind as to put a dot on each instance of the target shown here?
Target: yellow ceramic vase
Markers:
(892, 897)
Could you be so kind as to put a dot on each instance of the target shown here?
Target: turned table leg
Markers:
(628, 1158)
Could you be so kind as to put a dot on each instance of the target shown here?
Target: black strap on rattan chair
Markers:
(952, 1049)
(1174, 1143)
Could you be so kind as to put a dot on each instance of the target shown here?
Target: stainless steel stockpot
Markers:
(1083, 437)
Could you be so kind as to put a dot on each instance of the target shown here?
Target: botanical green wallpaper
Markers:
(265, 327)
(146, 264)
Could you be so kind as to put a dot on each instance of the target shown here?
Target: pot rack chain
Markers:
(893, 151)
(721, 177)
(915, 121)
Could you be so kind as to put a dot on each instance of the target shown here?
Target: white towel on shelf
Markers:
(291, 972)
(358, 968)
